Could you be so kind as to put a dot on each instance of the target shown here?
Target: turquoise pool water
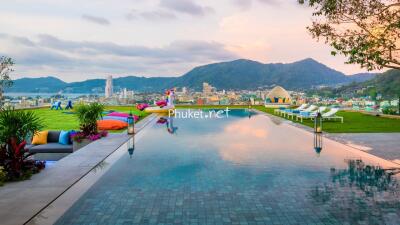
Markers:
(239, 169)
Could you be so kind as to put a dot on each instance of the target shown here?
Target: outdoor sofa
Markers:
(52, 146)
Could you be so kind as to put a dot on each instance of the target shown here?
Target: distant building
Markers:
(109, 87)
(184, 90)
(207, 89)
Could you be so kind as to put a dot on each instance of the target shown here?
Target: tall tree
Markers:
(6, 65)
(366, 32)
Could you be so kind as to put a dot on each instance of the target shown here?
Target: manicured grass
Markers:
(57, 120)
(211, 106)
(354, 122)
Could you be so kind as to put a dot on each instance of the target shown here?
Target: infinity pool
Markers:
(240, 169)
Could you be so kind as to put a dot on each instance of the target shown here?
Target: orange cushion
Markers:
(40, 138)
(280, 100)
(111, 125)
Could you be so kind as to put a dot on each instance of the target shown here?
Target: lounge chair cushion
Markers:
(51, 148)
(40, 138)
(111, 125)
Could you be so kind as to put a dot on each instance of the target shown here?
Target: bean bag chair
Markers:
(111, 125)
(161, 103)
(123, 119)
(119, 114)
(141, 107)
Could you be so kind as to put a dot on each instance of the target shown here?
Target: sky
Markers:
(86, 39)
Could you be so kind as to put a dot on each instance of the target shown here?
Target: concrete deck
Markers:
(20, 201)
(384, 145)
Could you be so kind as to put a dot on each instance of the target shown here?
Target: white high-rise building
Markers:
(109, 87)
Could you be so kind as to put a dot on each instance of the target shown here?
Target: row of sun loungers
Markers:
(309, 112)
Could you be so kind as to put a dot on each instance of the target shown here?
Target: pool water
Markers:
(240, 169)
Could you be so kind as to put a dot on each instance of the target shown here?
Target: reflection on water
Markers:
(169, 123)
(318, 142)
(360, 193)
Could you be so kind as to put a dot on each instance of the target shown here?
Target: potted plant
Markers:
(16, 127)
(87, 114)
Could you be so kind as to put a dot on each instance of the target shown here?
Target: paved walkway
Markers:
(384, 145)
(20, 201)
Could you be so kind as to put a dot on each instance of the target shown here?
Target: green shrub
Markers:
(3, 176)
(16, 127)
(391, 110)
(88, 114)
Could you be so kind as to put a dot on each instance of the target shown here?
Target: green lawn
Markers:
(57, 120)
(354, 122)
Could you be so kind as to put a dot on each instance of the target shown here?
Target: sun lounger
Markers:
(332, 115)
(297, 112)
(310, 115)
(284, 111)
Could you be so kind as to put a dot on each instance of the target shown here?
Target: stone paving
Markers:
(384, 145)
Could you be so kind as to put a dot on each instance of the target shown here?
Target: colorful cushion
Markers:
(40, 138)
(119, 114)
(64, 138)
(111, 125)
(123, 119)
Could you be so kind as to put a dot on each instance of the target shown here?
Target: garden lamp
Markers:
(131, 124)
(318, 123)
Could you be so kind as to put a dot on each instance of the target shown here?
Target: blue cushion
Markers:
(64, 138)
(123, 119)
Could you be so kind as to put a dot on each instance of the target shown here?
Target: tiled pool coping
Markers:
(20, 201)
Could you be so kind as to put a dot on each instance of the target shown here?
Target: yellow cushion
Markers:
(272, 100)
(40, 138)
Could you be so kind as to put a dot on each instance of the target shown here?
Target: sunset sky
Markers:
(78, 40)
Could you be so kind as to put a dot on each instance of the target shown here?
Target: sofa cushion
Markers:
(53, 136)
(51, 148)
(40, 138)
(64, 138)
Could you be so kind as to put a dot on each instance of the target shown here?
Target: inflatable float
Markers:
(163, 106)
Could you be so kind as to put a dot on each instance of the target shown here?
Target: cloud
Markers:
(72, 58)
(270, 2)
(243, 4)
(246, 4)
(186, 6)
(181, 50)
(156, 15)
(95, 19)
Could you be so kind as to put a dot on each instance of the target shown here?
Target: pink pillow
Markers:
(119, 114)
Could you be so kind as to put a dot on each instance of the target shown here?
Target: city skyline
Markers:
(154, 38)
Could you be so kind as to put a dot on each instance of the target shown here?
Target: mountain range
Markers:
(234, 75)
